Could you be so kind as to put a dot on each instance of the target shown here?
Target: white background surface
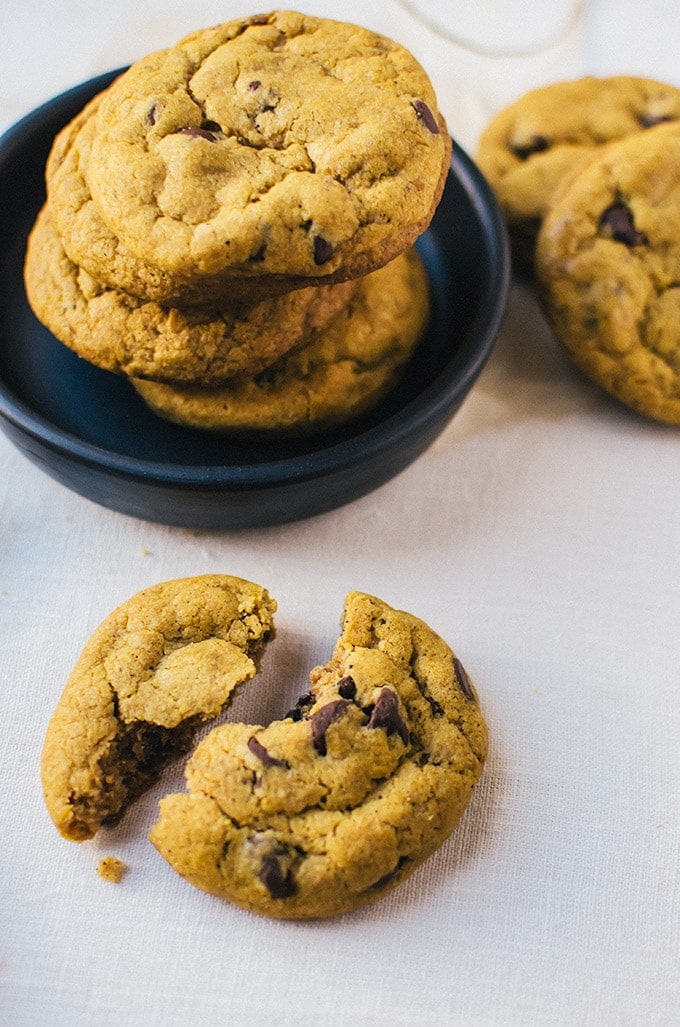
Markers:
(540, 535)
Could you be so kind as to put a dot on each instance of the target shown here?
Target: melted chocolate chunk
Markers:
(537, 144)
(347, 687)
(323, 250)
(323, 719)
(649, 120)
(280, 885)
(387, 716)
(254, 85)
(463, 679)
(262, 754)
(617, 222)
(425, 116)
(199, 133)
(151, 115)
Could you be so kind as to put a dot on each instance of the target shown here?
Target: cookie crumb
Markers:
(112, 869)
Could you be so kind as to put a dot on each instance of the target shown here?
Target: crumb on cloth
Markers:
(112, 869)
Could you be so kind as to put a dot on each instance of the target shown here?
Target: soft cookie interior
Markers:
(157, 667)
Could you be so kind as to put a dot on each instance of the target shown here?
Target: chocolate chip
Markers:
(463, 679)
(151, 115)
(199, 133)
(649, 120)
(347, 687)
(382, 881)
(387, 716)
(254, 85)
(437, 711)
(301, 707)
(322, 720)
(618, 224)
(263, 755)
(425, 115)
(323, 250)
(259, 255)
(537, 144)
(280, 885)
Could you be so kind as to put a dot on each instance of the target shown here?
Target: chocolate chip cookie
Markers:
(275, 145)
(340, 372)
(92, 246)
(337, 803)
(530, 145)
(608, 264)
(155, 669)
(205, 344)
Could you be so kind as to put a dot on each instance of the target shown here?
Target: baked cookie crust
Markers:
(279, 144)
(347, 367)
(207, 344)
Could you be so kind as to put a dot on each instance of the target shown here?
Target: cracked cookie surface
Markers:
(608, 265)
(92, 246)
(207, 344)
(88, 242)
(276, 144)
(331, 807)
(529, 147)
(347, 367)
(155, 669)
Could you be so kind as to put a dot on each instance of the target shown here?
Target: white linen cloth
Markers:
(540, 535)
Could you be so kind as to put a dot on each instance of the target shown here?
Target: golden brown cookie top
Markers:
(287, 143)
(157, 667)
(121, 333)
(346, 367)
(86, 240)
(92, 246)
(330, 807)
(608, 264)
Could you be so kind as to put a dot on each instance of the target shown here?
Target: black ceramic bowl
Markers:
(89, 429)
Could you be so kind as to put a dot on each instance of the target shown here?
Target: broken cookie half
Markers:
(338, 802)
(155, 669)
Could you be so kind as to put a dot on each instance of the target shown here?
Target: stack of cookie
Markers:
(231, 223)
(587, 173)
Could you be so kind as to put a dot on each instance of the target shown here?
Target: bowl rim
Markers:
(451, 383)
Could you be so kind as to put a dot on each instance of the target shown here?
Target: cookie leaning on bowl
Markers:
(89, 243)
(529, 147)
(608, 268)
(341, 371)
(93, 247)
(275, 145)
